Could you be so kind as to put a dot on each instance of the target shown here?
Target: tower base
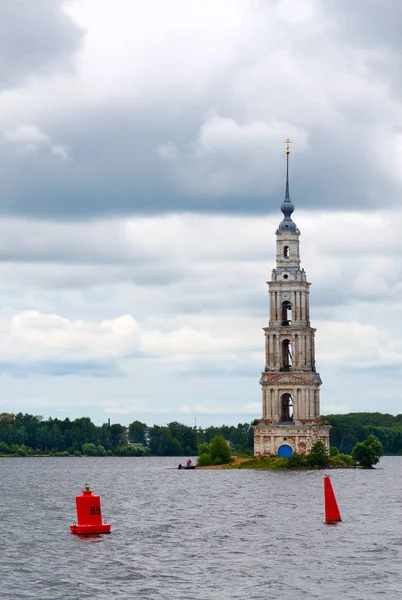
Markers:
(283, 439)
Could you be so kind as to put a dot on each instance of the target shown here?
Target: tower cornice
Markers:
(291, 285)
(280, 330)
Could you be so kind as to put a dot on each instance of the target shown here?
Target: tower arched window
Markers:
(286, 251)
(286, 407)
(286, 355)
(286, 313)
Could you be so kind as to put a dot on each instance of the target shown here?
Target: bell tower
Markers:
(290, 384)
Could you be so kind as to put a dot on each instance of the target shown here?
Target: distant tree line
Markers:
(348, 430)
(176, 439)
(25, 434)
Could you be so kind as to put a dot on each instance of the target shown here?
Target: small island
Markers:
(217, 455)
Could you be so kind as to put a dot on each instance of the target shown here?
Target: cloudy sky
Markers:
(141, 173)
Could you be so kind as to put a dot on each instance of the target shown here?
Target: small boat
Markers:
(190, 466)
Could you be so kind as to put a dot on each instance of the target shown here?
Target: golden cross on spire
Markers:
(287, 142)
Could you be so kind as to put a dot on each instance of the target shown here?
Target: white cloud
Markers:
(191, 316)
(118, 408)
(30, 139)
(62, 151)
(33, 336)
(130, 53)
(348, 343)
(167, 151)
(253, 407)
(335, 409)
(27, 136)
(214, 409)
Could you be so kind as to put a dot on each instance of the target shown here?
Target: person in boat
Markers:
(188, 463)
(180, 467)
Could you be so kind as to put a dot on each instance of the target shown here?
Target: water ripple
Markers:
(198, 535)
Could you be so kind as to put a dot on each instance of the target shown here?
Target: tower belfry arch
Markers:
(290, 383)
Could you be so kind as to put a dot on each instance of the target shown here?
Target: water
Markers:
(198, 535)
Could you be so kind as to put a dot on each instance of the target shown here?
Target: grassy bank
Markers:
(341, 461)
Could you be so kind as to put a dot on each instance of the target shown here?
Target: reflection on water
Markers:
(198, 535)
(90, 538)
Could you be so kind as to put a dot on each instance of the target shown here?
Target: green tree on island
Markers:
(368, 453)
(318, 456)
(216, 453)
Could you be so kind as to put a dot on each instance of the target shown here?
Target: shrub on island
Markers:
(217, 452)
(341, 461)
(368, 453)
(296, 461)
(318, 456)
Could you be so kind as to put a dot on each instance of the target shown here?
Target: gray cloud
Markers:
(36, 37)
(367, 23)
(208, 370)
(116, 170)
(166, 151)
(61, 369)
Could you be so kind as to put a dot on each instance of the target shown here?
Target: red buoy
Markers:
(89, 514)
(332, 514)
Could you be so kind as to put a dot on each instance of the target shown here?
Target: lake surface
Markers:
(198, 535)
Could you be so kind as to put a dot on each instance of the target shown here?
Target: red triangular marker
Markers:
(332, 513)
